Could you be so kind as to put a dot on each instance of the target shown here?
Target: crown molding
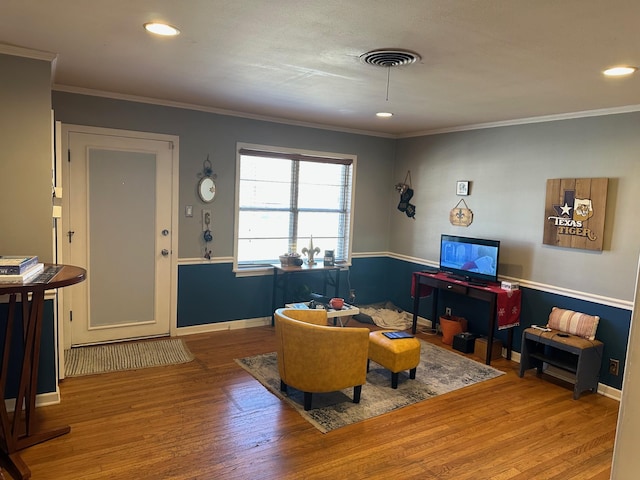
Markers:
(527, 121)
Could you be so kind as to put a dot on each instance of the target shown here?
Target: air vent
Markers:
(389, 58)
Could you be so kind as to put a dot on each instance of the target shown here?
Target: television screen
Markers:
(469, 258)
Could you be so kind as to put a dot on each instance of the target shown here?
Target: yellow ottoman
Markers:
(396, 354)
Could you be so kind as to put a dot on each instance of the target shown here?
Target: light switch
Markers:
(188, 211)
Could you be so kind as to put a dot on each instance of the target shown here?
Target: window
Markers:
(285, 198)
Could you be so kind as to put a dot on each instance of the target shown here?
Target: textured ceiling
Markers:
(483, 61)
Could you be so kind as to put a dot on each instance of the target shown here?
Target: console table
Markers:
(284, 272)
(429, 284)
(16, 434)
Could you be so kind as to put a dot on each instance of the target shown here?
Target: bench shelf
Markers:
(577, 355)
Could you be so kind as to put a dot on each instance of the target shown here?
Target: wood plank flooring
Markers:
(209, 419)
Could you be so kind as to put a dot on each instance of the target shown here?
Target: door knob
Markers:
(165, 252)
(165, 232)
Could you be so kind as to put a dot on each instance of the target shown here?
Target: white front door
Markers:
(118, 223)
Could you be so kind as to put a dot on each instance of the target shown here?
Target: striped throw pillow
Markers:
(575, 323)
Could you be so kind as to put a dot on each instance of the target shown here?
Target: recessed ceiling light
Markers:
(620, 71)
(161, 29)
(384, 114)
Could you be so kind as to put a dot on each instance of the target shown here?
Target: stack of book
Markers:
(19, 268)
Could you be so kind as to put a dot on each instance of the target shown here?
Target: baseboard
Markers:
(42, 400)
(221, 326)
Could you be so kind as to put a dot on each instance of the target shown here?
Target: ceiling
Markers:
(485, 62)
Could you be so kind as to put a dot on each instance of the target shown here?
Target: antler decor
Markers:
(310, 252)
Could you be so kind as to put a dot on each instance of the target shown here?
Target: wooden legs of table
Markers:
(17, 434)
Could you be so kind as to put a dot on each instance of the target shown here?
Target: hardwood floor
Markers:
(209, 419)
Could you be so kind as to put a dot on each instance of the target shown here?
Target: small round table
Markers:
(14, 435)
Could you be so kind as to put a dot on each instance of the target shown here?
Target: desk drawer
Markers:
(453, 287)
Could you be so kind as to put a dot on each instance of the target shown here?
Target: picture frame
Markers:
(462, 187)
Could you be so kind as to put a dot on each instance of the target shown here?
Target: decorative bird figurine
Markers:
(310, 252)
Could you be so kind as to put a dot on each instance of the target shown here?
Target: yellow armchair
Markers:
(314, 357)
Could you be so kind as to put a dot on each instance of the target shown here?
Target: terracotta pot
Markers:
(451, 326)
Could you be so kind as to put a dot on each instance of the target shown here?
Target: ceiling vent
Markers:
(389, 57)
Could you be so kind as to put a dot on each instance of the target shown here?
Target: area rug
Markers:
(440, 371)
(125, 356)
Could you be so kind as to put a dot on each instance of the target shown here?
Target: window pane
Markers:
(264, 224)
(320, 185)
(265, 194)
(265, 169)
(266, 251)
(318, 224)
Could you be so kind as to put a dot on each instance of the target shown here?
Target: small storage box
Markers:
(480, 349)
(464, 342)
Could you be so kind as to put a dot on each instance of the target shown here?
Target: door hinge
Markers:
(69, 155)
(71, 315)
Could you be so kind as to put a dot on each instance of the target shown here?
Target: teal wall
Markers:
(205, 290)
(47, 371)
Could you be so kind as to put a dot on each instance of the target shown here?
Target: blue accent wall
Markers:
(212, 293)
(47, 368)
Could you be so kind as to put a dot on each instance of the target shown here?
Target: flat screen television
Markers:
(469, 258)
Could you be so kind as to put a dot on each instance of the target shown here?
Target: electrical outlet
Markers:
(447, 311)
(614, 366)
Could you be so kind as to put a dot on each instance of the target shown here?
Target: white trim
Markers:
(222, 326)
(565, 292)
(204, 261)
(264, 118)
(527, 121)
(219, 111)
(42, 400)
(27, 52)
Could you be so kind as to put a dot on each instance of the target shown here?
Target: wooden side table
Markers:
(15, 434)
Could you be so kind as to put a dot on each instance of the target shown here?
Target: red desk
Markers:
(504, 306)
(15, 434)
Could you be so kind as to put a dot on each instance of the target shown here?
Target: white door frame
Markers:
(63, 252)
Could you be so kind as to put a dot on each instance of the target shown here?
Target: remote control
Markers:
(538, 327)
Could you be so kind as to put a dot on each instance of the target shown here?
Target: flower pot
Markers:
(451, 326)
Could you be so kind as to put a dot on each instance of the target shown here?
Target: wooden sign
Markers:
(574, 212)
(461, 216)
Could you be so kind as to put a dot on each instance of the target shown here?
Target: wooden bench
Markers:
(580, 356)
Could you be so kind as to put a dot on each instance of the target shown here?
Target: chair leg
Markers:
(412, 373)
(368, 362)
(283, 386)
(307, 400)
(357, 391)
(394, 379)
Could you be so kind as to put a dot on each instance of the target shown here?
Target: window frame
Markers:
(293, 154)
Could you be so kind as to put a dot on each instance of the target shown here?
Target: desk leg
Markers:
(273, 297)
(509, 342)
(492, 327)
(416, 307)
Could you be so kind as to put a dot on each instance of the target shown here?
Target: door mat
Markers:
(115, 357)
